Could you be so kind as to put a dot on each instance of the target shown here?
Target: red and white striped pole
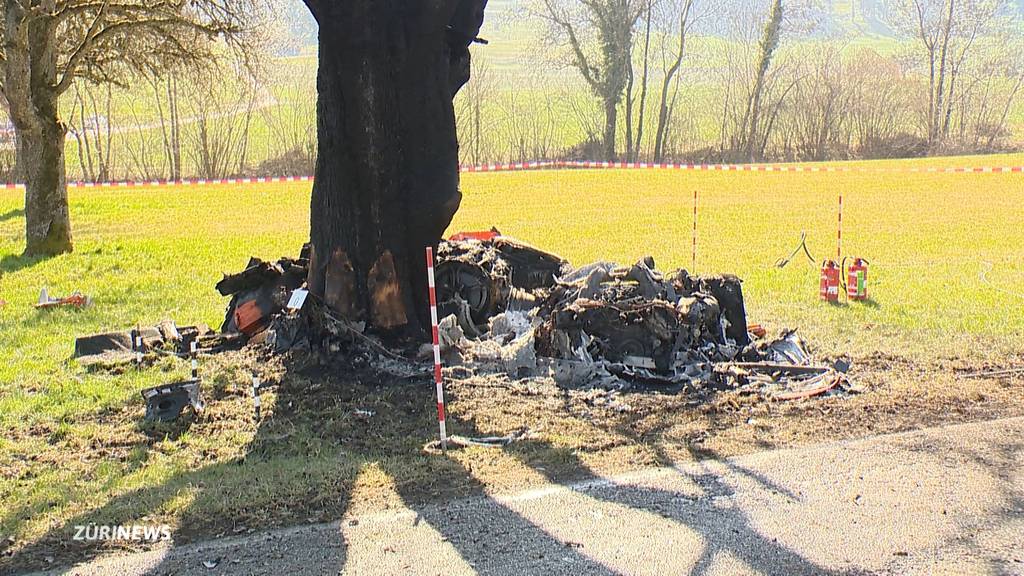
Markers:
(839, 251)
(693, 270)
(438, 379)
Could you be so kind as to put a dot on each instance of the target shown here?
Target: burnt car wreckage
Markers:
(509, 307)
(530, 313)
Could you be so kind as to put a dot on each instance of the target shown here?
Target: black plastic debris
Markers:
(259, 292)
(638, 317)
(164, 339)
(166, 403)
(478, 279)
(113, 342)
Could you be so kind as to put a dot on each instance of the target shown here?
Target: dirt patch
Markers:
(616, 432)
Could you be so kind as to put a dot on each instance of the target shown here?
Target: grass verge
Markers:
(946, 255)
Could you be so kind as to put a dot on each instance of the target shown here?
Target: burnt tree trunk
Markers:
(387, 174)
(31, 93)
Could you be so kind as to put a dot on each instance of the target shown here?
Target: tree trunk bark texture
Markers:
(47, 217)
(387, 174)
(29, 87)
(611, 111)
(769, 43)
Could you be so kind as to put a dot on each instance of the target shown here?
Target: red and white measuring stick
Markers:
(256, 396)
(693, 270)
(438, 378)
(193, 349)
(839, 238)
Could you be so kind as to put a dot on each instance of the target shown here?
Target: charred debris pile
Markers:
(511, 307)
(508, 307)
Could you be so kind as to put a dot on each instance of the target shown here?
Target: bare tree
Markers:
(992, 83)
(680, 18)
(474, 114)
(599, 34)
(144, 147)
(588, 120)
(759, 75)
(221, 113)
(48, 44)
(751, 125)
(292, 120)
(878, 105)
(946, 32)
(746, 26)
(92, 129)
(820, 103)
(633, 147)
(167, 101)
(527, 119)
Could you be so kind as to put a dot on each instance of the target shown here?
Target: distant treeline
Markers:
(742, 80)
(638, 80)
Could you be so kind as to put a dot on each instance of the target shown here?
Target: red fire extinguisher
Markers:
(830, 281)
(857, 280)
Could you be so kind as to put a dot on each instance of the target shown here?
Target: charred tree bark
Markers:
(387, 174)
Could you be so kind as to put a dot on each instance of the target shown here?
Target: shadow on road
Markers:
(300, 439)
(305, 458)
(724, 530)
(494, 539)
(1000, 459)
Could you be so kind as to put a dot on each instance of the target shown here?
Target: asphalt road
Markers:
(938, 501)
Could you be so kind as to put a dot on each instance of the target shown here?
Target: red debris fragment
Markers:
(481, 236)
(250, 318)
(78, 300)
(757, 330)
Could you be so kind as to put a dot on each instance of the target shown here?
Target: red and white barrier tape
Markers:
(438, 378)
(201, 182)
(794, 168)
(588, 165)
(514, 166)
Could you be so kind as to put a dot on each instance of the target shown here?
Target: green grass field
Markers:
(154, 253)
